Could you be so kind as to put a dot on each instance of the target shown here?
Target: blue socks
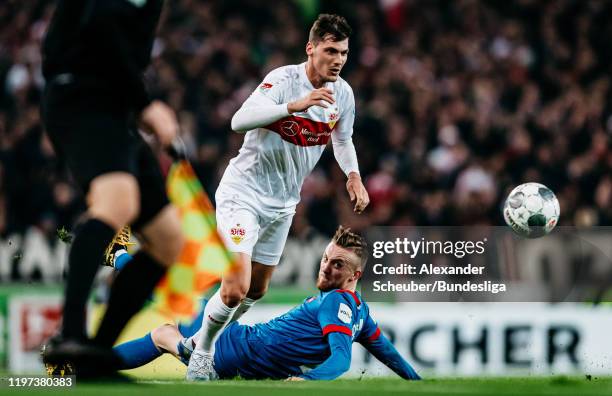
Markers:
(137, 352)
(121, 260)
(141, 351)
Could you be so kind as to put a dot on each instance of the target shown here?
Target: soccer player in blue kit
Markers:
(318, 334)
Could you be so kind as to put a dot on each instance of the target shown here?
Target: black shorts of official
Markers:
(94, 136)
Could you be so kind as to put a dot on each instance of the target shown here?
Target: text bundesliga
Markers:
(439, 287)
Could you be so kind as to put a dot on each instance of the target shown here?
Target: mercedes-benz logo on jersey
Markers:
(290, 128)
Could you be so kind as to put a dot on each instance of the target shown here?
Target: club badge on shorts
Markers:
(237, 234)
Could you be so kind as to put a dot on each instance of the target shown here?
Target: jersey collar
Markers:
(353, 294)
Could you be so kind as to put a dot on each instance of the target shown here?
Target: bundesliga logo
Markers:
(237, 234)
(265, 86)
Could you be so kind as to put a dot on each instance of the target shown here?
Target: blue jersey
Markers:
(292, 343)
(320, 333)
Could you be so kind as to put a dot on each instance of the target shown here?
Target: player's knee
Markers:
(114, 198)
(157, 334)
(173, 244)
(260, 280)
(160, 335)
(128, 210)
(164, 238)
(232, 296)
(257, 292)
(168, 251)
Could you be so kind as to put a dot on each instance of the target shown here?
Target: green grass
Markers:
(553, 386)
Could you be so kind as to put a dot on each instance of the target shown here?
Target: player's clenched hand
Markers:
(295, 379)
(357, 192)
(159, 119)
(318, 97)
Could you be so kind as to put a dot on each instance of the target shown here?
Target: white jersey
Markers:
(275, 159)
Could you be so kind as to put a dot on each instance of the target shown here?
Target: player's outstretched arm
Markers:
(253, 115)
(346, 157)
(384, 351)
(265, 106)
(268, 104)
(337, 363)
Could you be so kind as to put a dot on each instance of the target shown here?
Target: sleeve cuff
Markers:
(332, 328)
(374, 335)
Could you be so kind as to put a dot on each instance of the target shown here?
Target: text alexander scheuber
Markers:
(413, 248)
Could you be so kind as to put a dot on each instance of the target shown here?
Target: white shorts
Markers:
(246, 227)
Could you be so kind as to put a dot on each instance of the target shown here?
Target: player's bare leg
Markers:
(218, 312)
(223, 304)
(260, 280)
(162, 241)
(113, 201)
(167, 338)
(162, 237)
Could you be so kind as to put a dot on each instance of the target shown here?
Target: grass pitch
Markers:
(554, 386)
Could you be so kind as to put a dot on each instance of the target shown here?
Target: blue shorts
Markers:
(229, 355)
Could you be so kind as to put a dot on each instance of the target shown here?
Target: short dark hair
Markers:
(329, 24)
(352, 241)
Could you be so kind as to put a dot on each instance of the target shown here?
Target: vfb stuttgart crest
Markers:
(333, 118)
(237, 234)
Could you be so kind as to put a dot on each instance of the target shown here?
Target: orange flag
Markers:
(204, 258)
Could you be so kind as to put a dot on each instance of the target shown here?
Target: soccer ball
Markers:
(531, 210)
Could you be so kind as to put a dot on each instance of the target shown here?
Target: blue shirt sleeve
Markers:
(379, 346)
(337, 314)
(370, 329)
(337, 363)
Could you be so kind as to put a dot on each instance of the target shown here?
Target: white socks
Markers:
(220, 313)
(244, 306)
(216, 316)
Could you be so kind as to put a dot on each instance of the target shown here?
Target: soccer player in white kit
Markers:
(288, 120)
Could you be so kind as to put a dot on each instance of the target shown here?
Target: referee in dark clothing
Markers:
(94, 56)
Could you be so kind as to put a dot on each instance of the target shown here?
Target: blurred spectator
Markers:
(457, 101)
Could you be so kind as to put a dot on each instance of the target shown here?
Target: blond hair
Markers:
(352, 241)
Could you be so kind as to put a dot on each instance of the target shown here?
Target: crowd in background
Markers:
(456, 103)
